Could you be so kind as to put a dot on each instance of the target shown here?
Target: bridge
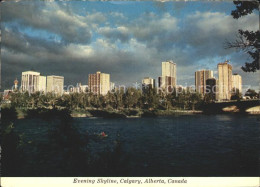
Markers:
(243, 106)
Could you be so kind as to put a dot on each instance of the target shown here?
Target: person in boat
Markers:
(103, 134)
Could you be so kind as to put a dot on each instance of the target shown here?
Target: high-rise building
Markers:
(148, 81)
(33, 81)
(211, 87)
(30, 81)
(55, 84)
(167, 83)
(168, 79)
(237, 82)
(168, 69)
(200, 80)
(42, 84)
(224, 81)
(99, 83)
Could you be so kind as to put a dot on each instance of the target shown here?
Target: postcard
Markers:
(121, 93)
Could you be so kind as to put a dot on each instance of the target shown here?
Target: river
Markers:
(184, 145)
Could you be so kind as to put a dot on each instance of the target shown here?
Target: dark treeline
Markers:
(131, 98)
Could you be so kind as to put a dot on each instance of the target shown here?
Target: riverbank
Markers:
(21, 113)
(130, 113)
(138, 113)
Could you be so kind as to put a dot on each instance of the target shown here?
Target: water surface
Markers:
(185, 145)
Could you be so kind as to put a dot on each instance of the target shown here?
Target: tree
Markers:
(209, 97)
(150, 98)
(236, 95)
(95, 101)
(131, 97)
(251, 93)
(195, 99)
(15, 99)
(119, 98)
(182, 100)
(247, 41)
(103, 101)
(51, 100)
(1, 97)
(111, 99)
(34, 99)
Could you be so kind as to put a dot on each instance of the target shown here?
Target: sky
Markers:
(126, 39)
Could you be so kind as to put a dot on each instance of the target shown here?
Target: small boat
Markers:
(101, 135)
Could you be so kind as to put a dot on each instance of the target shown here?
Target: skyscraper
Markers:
(99, 83)
(224, 81)
(211, 87)
(237, 82)
(42, 84)
(200, 80)
(168, 69)
(55, 84)
(168, 79)
(30, 81)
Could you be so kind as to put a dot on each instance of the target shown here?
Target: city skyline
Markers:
(99, 83)
(128, 45)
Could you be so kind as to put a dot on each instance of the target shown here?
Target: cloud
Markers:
(118, 15)
(127, 48)
(75, 61)
(119, 33)
(50, 17)
(150, 25)
(154, 30)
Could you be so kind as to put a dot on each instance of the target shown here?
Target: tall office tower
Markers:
(237, 82)
(30, 81)
(42, 84)
(224, 81)
(211, 87)
(168, 79)
(200, 80)
(99, 83)
(33, 81)
(148, 81)
(55, 84)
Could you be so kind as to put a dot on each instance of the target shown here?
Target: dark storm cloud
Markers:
(21, 52)
(18, 42)
(49, 17)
